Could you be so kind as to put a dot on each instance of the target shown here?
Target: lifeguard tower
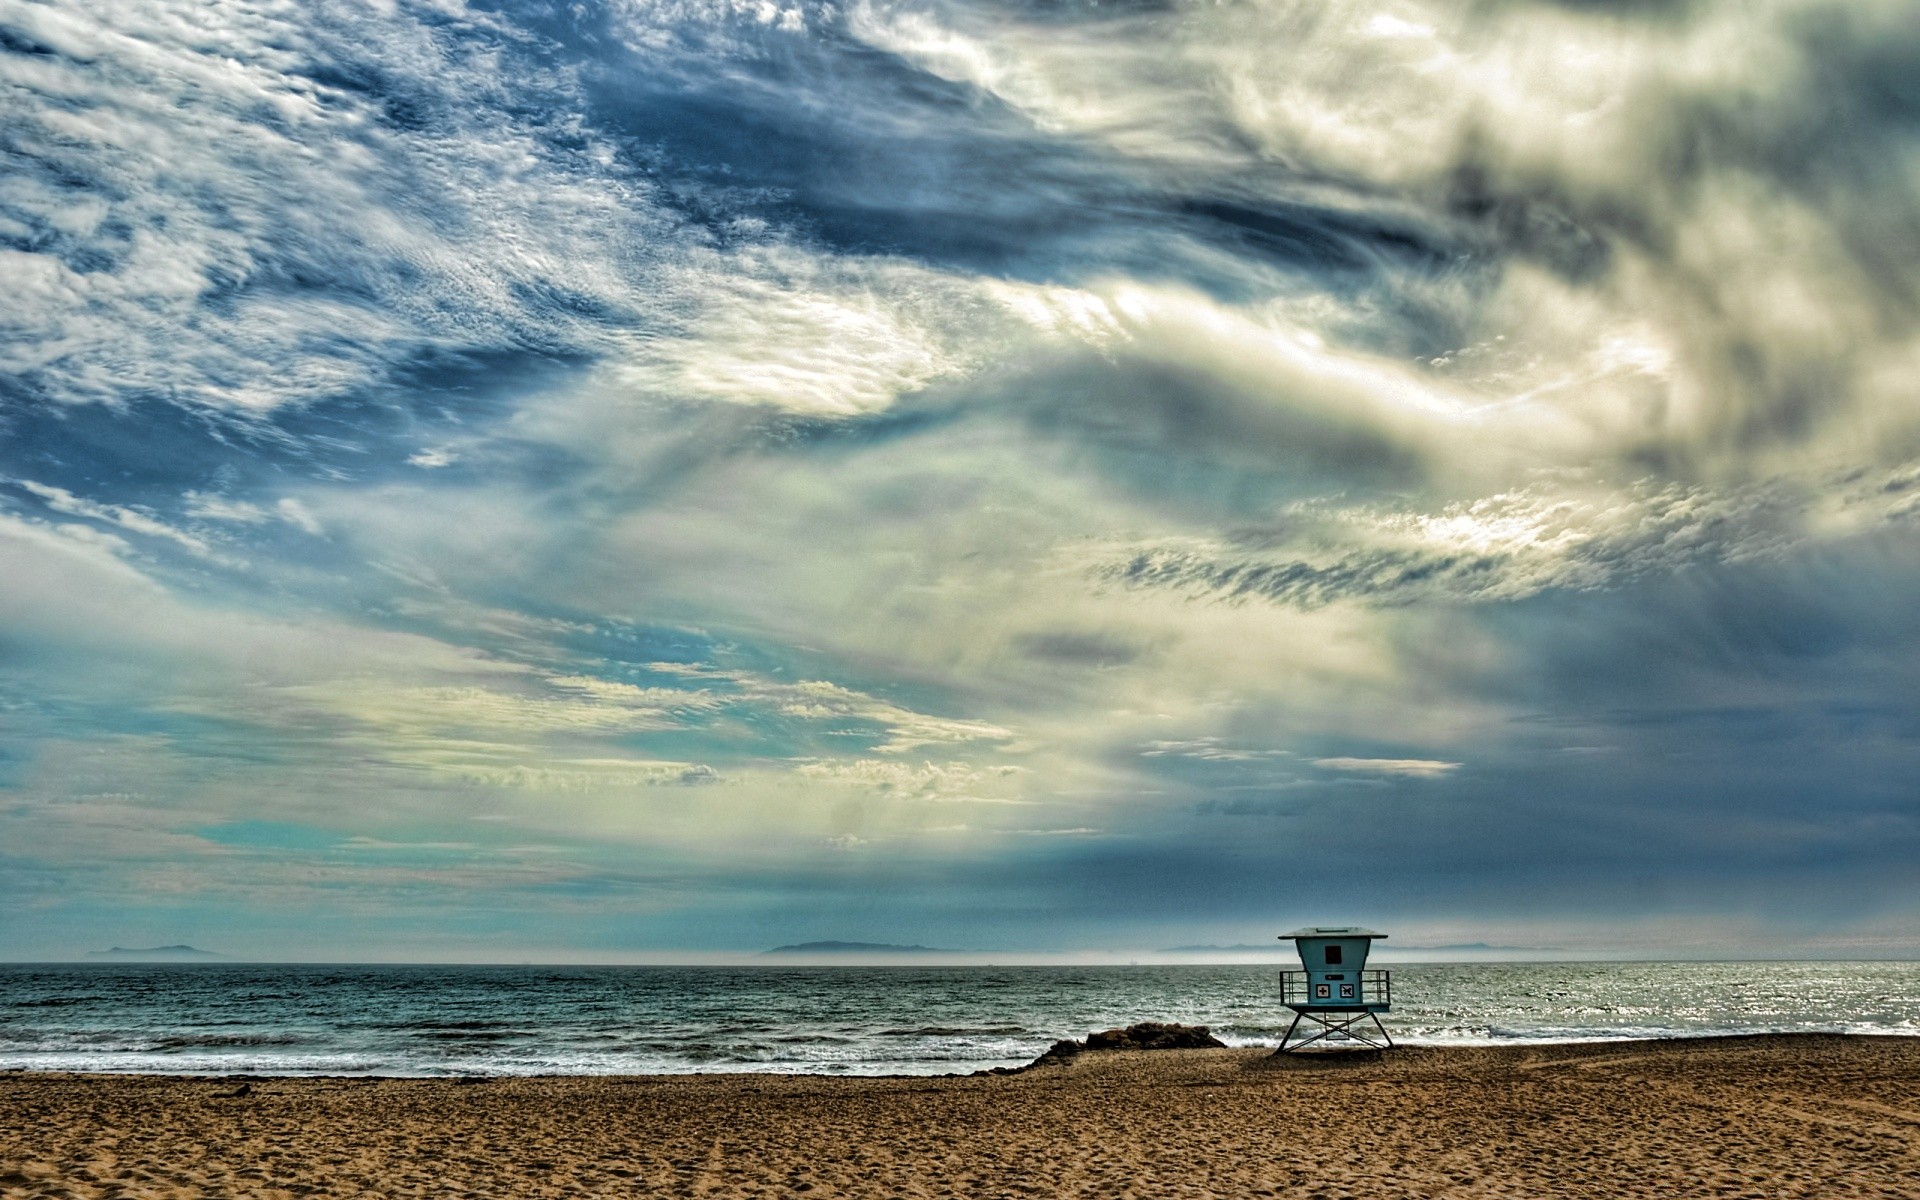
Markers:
(1335, 992)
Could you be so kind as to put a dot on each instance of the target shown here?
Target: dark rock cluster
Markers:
(1147, 1035)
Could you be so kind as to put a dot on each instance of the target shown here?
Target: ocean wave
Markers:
(957, 1031)
(437, 1026)
(613, 1021)
(189, 1041)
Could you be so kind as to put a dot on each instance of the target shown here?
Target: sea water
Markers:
(501, 1020)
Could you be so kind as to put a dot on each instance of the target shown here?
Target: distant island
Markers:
(157, 954)
(855, 948)
(1478, 946)
(1283, 948)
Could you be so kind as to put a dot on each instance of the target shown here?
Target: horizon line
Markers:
(719, 959)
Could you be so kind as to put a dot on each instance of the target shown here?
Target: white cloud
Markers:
(778, 330)
(295, 513)
(1209, 749)
(466, 231)
(947, 783)
(1415, 768)
(206, 506)
(61, 500)
(907, 730)
(220, 166)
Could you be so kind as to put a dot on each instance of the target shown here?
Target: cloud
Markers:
(809, 342)
(295, 513)
(1557, 534)
(559, 775)
(60, 500)
(258, 231)
(1413, 768)
(906, 729)
(206, 506)
(703, 436)
(946, 783)
(1608, 179)
(1209, 749)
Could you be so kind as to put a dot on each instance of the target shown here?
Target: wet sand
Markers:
(1765, 1117)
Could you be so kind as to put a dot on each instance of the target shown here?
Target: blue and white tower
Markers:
(1336, 991)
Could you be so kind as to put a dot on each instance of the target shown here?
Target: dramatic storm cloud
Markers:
(480, 480)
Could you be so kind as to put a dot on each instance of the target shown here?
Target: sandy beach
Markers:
(1763, 1117)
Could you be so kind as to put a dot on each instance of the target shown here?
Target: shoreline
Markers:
(1761, 1115)
(1041, 1060)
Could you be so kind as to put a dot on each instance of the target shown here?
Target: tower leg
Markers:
(1329, 1027)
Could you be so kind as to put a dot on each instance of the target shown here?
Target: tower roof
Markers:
(1332, 931)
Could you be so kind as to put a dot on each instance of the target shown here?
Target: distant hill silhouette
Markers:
(1475, 946)
(156, 954)
(1282, 948)
(854, 948)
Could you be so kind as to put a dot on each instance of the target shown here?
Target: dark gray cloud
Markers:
(1077, 648)
(1381, 576)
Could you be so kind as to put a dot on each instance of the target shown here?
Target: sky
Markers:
(637, 478)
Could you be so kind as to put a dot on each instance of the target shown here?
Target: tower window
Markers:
(1333, 956)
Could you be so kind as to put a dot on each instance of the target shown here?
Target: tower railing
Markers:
(1297, 989)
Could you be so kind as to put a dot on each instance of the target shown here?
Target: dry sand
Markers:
(1818, 1116)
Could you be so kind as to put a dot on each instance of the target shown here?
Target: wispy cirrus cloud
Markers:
(60, 500)
(1564, 534)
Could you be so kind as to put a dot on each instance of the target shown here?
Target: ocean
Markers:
(880, 1020)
